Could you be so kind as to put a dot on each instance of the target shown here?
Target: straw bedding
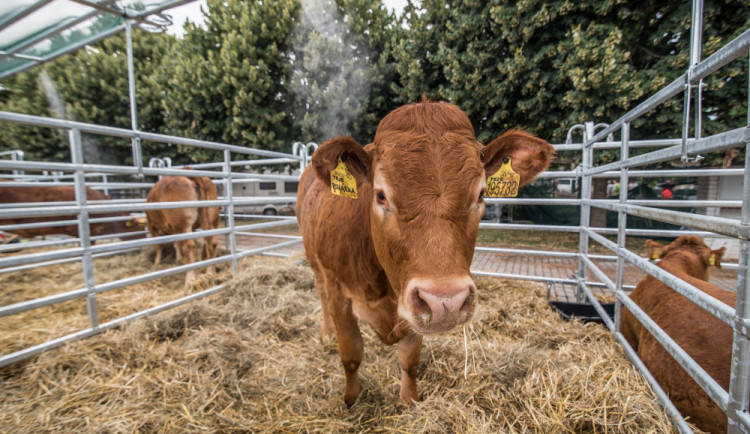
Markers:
(249, 359)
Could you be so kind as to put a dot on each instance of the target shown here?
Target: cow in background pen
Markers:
(23, 195)
(707, 339)
(184, 220)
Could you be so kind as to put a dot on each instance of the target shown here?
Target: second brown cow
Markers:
(704, 337)
(397, 257)
(184, 220)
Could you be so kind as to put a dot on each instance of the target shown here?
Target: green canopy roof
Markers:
(36, 31)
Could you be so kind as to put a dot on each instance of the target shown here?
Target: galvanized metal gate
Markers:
(733, 402)
(80, 173)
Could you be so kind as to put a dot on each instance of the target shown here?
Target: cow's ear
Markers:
(655, 250)
(326, 158)
(529, 155)
(715, 257)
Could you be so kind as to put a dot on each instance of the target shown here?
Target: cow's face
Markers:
(423, 180)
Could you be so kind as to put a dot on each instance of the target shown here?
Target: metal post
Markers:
(135, 141)
(622, 220)
(583, 246)
(739, 383)
(229, 194)
(84, 234)
(696, 36)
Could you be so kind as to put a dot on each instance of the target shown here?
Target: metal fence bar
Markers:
(739, 382)
(708, 303)
(228, 192)
(37, 349)
(622, 219)
(121, 132)
(59, 261)
(724, 226)
(586, 183)
(76, 155)
(708, 384)
(716, 142)
(669, 407)
(10, 228)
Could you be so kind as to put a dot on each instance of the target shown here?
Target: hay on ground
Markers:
(249, 359)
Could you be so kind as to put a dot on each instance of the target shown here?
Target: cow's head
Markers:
(423, 179)
(694, 254)
(134, 224)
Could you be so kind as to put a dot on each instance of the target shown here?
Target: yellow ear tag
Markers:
(656, 255)
(712, 261)
(504, 183)
(343, 182)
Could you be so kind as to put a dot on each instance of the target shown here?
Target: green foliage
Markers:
(227, 83)
(94, 85)
(547, 65)
(265, 74)
(339, 69)
(23, 94)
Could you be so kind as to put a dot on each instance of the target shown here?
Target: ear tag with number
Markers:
(656, 255)
(504, 183)
(343, 183)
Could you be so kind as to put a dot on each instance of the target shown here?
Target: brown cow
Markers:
(19, 195)
(398, 256)
(704, 337)
(184, 220)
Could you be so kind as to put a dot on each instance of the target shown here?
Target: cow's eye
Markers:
(381, 198)
(481, 196)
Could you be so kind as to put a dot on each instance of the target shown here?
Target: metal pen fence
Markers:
(83, 213)
(733, 402)
(79, 174)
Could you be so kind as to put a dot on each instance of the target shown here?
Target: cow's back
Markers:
(704, 337)
(9, 194)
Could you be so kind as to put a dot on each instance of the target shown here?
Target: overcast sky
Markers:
(192, 12)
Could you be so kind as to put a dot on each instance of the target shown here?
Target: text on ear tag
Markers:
(504, 183)
(342, 182)
(712, 259)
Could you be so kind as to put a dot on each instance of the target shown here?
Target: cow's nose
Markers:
(440, 305)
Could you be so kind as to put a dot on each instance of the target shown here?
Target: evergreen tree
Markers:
(94, 85)
(23, 93)
(547, 65)
(340, 70)
(227, 83)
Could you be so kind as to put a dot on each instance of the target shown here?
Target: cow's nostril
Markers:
(469, 302)
(421, 307)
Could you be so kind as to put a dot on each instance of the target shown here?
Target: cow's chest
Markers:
(381, 315)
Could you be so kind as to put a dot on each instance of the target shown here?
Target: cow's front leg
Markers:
(349, 338)
(157, 256)
(209, 251)
(327, 328)
(187, 247)
(409, 349)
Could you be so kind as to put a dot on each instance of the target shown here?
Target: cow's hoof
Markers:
(326, 339)
(409, 398)
(350, 396)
